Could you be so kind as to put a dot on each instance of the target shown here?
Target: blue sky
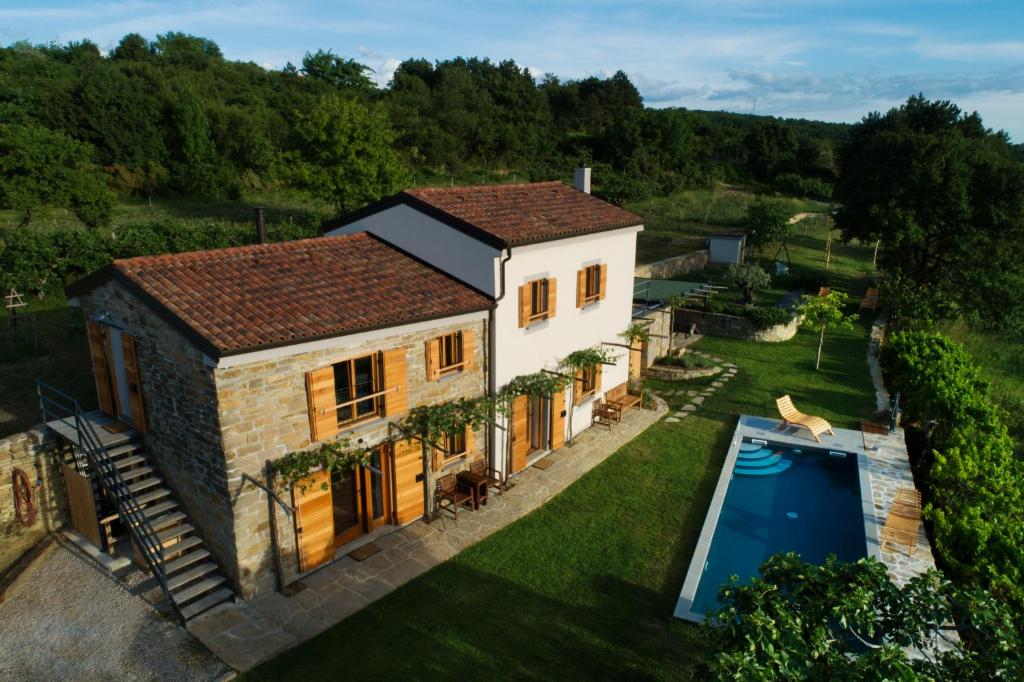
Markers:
(833, 61)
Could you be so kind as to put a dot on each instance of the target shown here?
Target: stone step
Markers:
(132, 474)
(197, 589)
(129, 461)
(144, 484)
(183, 546)
(188, 576)
(206, 603)
(184, 561)
(174, 532)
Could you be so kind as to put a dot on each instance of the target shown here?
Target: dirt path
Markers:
(65, 618)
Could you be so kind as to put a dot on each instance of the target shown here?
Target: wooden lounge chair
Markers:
(870, 299)
(448, 491)
(480, 468)
(824, 291)
(904, 520)
(791, 415)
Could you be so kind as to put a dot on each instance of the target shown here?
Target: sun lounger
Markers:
(791, 415)
(870, 299)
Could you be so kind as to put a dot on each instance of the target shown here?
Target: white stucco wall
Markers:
(464, 257)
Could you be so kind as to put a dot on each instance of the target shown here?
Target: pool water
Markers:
(783, 498)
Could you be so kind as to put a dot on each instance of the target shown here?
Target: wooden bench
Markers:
(621, 398)
(870, 300)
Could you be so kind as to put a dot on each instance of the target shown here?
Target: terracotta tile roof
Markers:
(524, 213)
(249, 297)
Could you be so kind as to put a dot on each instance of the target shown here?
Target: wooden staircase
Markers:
(146, 506)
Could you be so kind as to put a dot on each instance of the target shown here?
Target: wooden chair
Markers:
(791, 415)
(480, 468)
(904, 520)
(824, 291)
(604, 414)
(870, 300)
(448, 491)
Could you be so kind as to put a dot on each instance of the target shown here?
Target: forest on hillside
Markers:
(172, 117)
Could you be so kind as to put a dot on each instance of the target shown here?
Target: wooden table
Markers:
(477, 485)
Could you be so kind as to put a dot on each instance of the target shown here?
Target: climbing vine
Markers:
(638, 331)
(431, 422)
(335, 456)
(536, 384)
(587, 357)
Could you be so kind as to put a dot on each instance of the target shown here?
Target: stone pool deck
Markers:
(245, 634)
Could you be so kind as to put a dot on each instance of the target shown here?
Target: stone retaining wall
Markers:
(733, 326)
(34, 452)
(670, 373)
(657, 345)
(677, 265)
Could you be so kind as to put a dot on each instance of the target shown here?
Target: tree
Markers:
(182, 49)
(825, 312)
(848, 621)
(345, 153)
(338, 72)
(39, 166)
(767, 222)
(133, 47)
(748, 278)
(193, 166)
(946, 198)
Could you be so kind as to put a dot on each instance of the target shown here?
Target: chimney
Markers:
(261, 226)
(583, 179)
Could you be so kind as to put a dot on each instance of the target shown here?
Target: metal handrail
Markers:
(69, 412)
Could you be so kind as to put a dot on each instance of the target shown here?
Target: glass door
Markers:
(346, 494)
(375, 483)
(539, 423)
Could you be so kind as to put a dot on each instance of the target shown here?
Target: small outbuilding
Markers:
(727, 247)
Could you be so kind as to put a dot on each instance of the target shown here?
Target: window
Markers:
(539, 299)
(592, 286)
(357, 388)
(450, 351)
(588, 381)
(454, 446)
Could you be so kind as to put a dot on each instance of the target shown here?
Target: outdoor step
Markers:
(131, 460)
(759, 463)
(159, 508)
(207, 602)
(144, 484)
(167, 520)
(184, 545)
(152, 496)
(172, 533)
(122, 450)
(188, 576)
(132, 474)
(187, 560)
(766, 471)
(192, 591)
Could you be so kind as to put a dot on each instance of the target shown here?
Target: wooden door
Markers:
(376, 491)
(410, 500)
(101, 368)
(636, 352)
(558, 420)
(314, 520)
(134, 381)
(520, 432)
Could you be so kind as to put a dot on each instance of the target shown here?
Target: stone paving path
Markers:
(696, 400)
(246, 633)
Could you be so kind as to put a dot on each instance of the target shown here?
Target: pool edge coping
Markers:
(844, 439)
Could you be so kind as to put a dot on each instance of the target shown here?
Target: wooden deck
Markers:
(66, 430)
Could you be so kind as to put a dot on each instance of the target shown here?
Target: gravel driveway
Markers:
(66, 618)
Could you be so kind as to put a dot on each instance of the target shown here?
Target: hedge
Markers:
(44, 261)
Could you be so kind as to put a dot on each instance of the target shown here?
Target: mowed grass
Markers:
(584, 587)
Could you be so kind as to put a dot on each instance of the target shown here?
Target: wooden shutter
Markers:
(134, 380)
(469, 349)
(396, 376)
(581, 287)
(520, 433)
(524, 305)
(558, 420)
(552, 298)
(314, 520)
(432, 352)
(100, 368)
(408, 467)
(597, 378)
(436, 458)
(470, 442)
(323, 416)
(603, 286)
(577, 388)
(636, 353)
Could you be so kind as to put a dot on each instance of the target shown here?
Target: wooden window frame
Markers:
(377, 378)
(457, 359)
(592, 284)
(452, 451)
(588, 382)
(539, 308)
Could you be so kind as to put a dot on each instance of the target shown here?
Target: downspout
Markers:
(492, 375)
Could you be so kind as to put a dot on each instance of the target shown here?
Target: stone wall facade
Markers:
(264, 415)
(660, 330)
(675, 266)
(733, 326)
(35, 452)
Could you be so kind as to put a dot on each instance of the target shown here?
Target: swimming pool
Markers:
(776, 495)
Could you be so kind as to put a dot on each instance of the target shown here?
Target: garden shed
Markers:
(727, 247)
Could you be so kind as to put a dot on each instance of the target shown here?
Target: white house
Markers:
(559, 264)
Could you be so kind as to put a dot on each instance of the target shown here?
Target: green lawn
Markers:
(584, 587)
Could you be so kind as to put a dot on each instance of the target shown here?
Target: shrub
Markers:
(767, 316)
(791, 183)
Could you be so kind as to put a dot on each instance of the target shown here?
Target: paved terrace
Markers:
(245, 634)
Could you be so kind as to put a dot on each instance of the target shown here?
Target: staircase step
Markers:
(184, 545)
(187, 560)
(131, 460)
(167, 520)
(750, 447)
(144, 484)
(172, 533)
(152, 496)
(206, 603)
(759, 463)
(122, 450)
(131, 474)
(777, 468)
(188, 576)
(192, 591)
(159, 508)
